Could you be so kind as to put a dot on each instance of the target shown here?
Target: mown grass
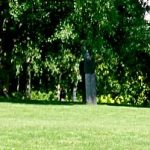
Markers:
(73, 127)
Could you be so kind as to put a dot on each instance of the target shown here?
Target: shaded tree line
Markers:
(41, 47)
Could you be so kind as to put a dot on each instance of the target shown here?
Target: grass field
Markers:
(73, 127)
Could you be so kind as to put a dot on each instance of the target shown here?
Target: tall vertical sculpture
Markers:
(90, 79)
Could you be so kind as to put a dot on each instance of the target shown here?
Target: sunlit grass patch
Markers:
(73, 127)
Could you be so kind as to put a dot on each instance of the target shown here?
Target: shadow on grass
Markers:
(125, 105)
(55, 102)
(38, 102)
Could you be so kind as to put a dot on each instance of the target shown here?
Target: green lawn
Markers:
(73, 127)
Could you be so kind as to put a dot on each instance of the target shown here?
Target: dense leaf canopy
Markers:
(42, 43)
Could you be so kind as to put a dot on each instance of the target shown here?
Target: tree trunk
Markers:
(59, 88)
(28, 85)
(18, 83)
(58, 92)
(75, 92)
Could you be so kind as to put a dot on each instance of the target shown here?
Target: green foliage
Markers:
(38, 95)
(47, 40)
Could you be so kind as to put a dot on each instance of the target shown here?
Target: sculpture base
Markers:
(90, 88)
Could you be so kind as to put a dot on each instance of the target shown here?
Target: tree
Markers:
(46, 40)
(118, 27)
